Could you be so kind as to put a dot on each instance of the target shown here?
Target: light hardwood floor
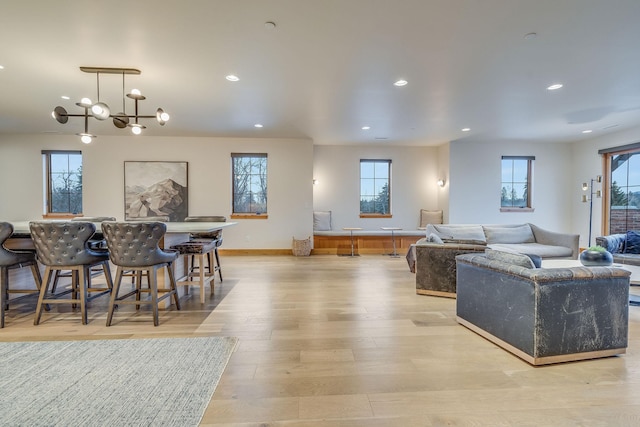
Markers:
(336, 341)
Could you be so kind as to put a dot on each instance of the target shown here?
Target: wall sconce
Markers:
(589, 198)
(441, 182)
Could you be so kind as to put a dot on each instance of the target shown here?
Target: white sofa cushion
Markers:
(508, 234)
(471, 233)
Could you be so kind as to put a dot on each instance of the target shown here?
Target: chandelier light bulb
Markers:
(135, 92)
(85, 102)
(86, 139)
(136, 130)
(165, 117)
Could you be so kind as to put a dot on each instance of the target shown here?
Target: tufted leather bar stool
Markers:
(135, 246)
(10, 259)
(215, 237)
(64, 245)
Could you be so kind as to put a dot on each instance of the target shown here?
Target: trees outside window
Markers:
(375, 187)
(63, 172)
(516, 182)
(624, 191)
(249, 183)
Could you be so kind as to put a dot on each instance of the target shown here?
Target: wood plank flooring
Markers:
(333, 341)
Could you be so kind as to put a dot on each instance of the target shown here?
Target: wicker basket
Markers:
(301, 247)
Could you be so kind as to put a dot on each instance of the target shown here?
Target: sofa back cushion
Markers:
(458, 233)
(508, 234)
(510, 258)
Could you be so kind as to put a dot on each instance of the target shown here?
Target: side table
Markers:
(393, 239)
(351, 229)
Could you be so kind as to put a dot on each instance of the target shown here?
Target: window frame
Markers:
(48, 186)
(529, 185)
(388, 181)
(251, 214)
(607, 182)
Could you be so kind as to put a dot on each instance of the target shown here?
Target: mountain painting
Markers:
(155, 189)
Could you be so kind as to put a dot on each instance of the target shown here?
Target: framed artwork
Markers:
(155, 189)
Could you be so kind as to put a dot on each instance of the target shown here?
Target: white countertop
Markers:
(22, 227)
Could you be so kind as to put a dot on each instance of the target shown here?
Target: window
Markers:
(249, 184)
(622, 188)
(63, 181)
(516, 183)
(375, 188)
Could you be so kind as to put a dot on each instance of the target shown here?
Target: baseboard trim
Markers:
(254, 252)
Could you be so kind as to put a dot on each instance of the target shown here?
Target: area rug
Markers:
(136, 382)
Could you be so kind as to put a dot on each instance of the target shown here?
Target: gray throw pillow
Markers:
(434, 238)
(510, 258)
(322, 221)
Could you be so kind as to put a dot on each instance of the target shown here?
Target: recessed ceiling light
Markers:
(366, 127)
(587, 131)
(466, 129)
(530, 36)
(65, 97)
(401, 83)
(257, 125)
(232, 78)
(270, 25)
(381, 138)
(1, 67)
(555, 86)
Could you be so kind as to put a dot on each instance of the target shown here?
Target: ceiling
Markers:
(328, 67)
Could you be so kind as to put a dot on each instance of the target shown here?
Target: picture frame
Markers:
(156, 188)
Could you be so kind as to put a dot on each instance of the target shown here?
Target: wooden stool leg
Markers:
(172, 284)
(114, 295)
(43, 291)
(153, 285)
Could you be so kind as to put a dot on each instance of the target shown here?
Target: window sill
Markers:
(60, 215)
(249, 216)
(517, 209)
(375, 215)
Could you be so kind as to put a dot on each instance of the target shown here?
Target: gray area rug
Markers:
(137, 382)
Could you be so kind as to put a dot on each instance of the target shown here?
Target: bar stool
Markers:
(201, 249)
(135, 246)
(214, 236)
(10, 259)
(65, 246)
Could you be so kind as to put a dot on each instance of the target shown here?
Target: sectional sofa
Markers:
(435, 264)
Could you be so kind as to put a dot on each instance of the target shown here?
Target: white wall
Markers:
(587, 164)
(415, 171)
(475, 175)
(290, 195)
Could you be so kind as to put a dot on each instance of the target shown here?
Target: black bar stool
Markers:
(10, 259)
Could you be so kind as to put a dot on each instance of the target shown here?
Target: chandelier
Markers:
(101, 111)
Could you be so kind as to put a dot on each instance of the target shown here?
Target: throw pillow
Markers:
(510, 258)
(430, 217)
(434, 238)
(632, 244)
(505, 234)
(322, 221)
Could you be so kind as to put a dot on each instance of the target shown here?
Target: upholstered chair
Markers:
(10, 259)
(64, 245)
(215, 237)
(135, 246)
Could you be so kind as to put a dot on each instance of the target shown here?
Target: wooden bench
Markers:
(338, 242)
